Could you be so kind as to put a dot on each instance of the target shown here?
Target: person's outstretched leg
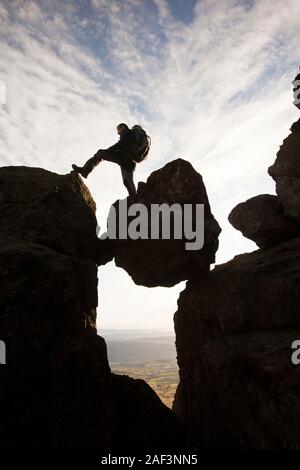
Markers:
(127, 176)
(86, 169)
(102, 154)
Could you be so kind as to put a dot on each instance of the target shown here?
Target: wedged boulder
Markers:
(286, 172)
(143, 420)
(50, 209)
(234, 330)
(56, 387)
(262, 220)
(165, 262)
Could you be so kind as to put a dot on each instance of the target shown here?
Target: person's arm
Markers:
(115, 146)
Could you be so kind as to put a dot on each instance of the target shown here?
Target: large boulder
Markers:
(53, 210)
(162, 262)
(286, 172)
(234, 333)
(262, 219)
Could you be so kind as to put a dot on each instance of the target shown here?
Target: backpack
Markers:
(142, 143)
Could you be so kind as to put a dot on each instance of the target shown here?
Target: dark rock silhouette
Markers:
(262, 219)
(56, 389)
(143, 420)
(166, 262)
(56, 385)
(53, 210)
(234, 330)
(286, 172)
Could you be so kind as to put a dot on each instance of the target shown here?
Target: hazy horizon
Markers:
(136, 346)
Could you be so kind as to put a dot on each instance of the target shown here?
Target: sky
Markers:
(209, 80)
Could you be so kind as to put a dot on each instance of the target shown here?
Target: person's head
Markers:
(121, 128)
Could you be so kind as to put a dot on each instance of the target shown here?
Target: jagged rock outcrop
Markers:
(57, 390)
(143, 421)
(286, 172)
(166, 262)
(53, 210)
(56, 386)
(234, 331)
(262, 219)
(235, 328)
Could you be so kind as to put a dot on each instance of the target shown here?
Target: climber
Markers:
(126, 152)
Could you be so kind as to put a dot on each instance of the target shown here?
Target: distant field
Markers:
(145, 354)
(161, 375)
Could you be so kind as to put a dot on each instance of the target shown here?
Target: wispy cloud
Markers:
(215, 90)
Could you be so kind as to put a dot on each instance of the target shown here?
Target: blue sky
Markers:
(210, 80)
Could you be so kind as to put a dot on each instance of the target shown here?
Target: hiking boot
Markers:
(80, 170)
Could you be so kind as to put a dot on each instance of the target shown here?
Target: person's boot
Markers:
(80, 170)
(86, 169)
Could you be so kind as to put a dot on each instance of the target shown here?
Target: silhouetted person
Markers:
(121, 153)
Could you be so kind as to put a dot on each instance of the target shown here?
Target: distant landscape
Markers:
(145, 354)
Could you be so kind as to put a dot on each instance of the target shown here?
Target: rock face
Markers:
(56, 386)
(235, 328)
(143, 420)
(234, 331)
(57, 390)
(286, 173)
(261, 219)
(166, 262)
(53, 210)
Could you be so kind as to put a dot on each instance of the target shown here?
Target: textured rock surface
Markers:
(234, 330)
(143, 421)
(167, 262)
(56, 386)
(261, 219)
(286, 172)
(56, 390)
(53, 210)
